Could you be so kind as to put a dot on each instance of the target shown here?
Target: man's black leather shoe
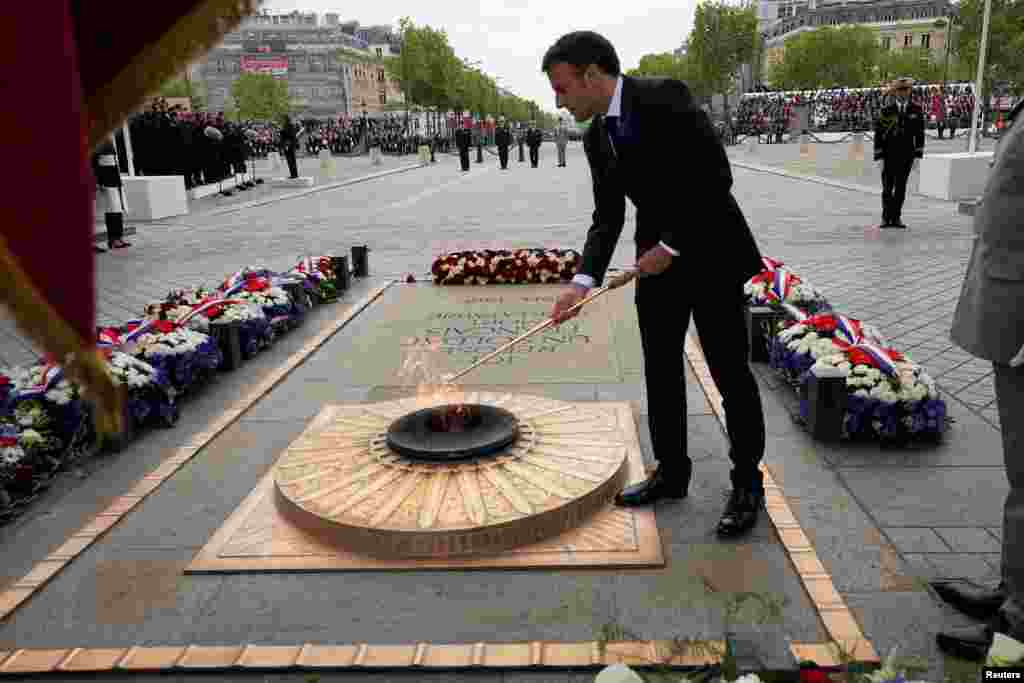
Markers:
(973, 642)
(971, 598)
(740, 514)
(659, 485)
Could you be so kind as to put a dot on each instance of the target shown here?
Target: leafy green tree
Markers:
(1004, 60)
(826, 57)
(915, 62)
(722, 39)
(259, 96)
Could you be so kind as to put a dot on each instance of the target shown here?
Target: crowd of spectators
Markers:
(847, 109)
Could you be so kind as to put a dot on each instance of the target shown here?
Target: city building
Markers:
(332, 67)
(898, 23)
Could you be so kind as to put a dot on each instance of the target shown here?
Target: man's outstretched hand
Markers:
(654, 261)
(569, 298)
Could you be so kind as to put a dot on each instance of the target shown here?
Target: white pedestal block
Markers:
(301, 181)
(153, 197)
(275, 161)
(954, 176)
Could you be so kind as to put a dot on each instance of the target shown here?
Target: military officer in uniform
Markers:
(533, 140)
(899, 142)
(463, 139)
(503, 139)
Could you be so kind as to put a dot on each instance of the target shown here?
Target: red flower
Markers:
(8, 441)
(214, 311)
(822, 323)
(896, 356)
(814, 675)
(164, 326)
(859, 357)
(256, 284)
(4, 380)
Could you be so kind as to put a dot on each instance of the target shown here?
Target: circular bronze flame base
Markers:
(450, 433)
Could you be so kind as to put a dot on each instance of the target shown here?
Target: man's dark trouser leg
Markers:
(503, 156)
(724, 340)
(1010, 401)
(901, 175)
(888, 184)
(464, 158)
(534, 156)
(293, 167)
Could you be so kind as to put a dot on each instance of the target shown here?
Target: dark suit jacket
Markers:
(900, 137)
(674, 169)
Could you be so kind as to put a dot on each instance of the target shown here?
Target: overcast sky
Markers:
(509, 37)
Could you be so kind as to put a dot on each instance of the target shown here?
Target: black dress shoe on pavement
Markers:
(973, 642)
(659, 485)
(740, 514)
(971, 598)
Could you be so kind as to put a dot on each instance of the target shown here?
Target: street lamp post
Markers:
(972, 143)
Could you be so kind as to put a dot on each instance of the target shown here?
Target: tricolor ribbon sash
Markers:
(52, 373)
(782, 283)
(794, 312)
(209, 304)
(878, 355)
(770, 263)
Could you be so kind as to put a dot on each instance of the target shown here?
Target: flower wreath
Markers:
(185, 356)
(777, 286)
(889, 397)
(520, 266)
(319, 275)
(150, 393)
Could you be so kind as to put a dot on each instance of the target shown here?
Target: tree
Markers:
(183, 87)
(1004, 60)
(722, 39)
(915, 62)
(259, 96)
(827, 57)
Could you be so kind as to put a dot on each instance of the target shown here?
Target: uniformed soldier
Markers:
(533, 140)
(899, 142)
(503, 139)
(561, 142)
(463, 139)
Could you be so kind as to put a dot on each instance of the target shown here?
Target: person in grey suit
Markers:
(561, 141)
(989, 323)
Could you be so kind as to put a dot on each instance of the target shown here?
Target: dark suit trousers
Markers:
(464, 157)
(293, 168)
(503, 156)
(534, 156)
(895, 172)
(664, 310)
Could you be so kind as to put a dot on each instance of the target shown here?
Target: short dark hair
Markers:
(580, 49)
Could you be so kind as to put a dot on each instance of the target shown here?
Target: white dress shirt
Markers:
(614, 109)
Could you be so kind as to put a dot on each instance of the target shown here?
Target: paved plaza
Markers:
(880, 520)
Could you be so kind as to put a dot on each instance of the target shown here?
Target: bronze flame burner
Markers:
(453, 432)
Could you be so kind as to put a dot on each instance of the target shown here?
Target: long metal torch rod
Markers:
(613, 283)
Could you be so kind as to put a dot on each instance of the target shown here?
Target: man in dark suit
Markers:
(463, 139)
(989, 324)
(503, 139)
(289, 142)
(899, 142)
(534, 138)
(695, 215)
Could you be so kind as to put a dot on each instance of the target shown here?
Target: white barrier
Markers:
(954, 176)
(151, 197)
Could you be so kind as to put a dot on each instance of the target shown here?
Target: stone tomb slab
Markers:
(463, 324)
(263, 534)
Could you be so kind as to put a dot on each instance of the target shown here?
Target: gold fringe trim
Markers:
(194, 34)
(37, 318)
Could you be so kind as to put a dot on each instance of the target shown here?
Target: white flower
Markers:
(11, 455)
(748, 678)
(30, 436)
